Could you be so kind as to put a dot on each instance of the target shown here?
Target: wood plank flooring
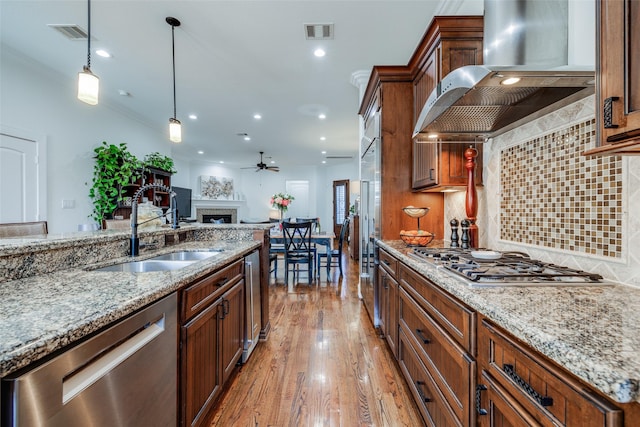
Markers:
(323, 364)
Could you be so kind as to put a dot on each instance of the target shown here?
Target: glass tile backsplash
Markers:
(552, 196)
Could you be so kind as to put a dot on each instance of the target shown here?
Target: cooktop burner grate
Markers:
(511, 268)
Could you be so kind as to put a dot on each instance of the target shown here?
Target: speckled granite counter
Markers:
(593, 331)
(46, 312)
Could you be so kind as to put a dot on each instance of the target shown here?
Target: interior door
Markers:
(340, 204)
(22, 189)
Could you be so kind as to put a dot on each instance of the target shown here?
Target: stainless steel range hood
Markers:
(525, 40)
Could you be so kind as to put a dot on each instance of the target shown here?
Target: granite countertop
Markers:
(47, 312)
(593, 331)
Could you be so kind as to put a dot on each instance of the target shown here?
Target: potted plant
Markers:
(159, 161)
(115, 168)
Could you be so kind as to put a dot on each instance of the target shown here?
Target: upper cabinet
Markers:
(617, 78)
(449, 43)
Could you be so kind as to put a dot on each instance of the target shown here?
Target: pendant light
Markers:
(175, 127)
(88, 83)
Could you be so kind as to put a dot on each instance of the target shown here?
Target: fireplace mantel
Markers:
(216, 203)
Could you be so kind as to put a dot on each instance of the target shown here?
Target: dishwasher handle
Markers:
(77, 381)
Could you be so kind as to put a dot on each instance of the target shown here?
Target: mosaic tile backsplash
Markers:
(556, 198)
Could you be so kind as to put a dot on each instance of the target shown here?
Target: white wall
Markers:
(39, 101)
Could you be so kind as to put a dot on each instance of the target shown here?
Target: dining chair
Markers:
(336, 254)
(298, 249)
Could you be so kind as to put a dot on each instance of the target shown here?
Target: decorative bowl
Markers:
(415, 212)
(416, 237)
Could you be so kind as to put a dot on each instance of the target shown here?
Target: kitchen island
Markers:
(593, 332)
(52, 296)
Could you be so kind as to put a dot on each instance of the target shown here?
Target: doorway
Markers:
(340, 204)
(22, 177)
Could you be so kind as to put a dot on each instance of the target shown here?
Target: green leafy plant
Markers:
(159, 161)
(115, 168)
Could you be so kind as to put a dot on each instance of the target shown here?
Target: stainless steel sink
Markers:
(146, 266)
(186, 256)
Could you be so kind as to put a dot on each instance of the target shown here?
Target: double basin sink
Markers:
(166, 262)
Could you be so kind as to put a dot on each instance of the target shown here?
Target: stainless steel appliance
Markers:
(124, 376)
(481, 268)
(369, 220)
(253, 310)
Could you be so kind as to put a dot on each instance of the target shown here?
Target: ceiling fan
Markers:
(261, 166)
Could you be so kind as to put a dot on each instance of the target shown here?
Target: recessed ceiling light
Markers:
(322, 138)
(324, 161)
(319, 53)
(193, 117)
(257, 116)
(103, 53)
(247, 138)
(323, 152)
(322, 116)
(221, 161)
(273, 162)
(200, 152)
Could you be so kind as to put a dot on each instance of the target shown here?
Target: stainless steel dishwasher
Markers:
(253, 311)
(124, 376)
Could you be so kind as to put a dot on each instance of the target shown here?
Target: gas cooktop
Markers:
(481, 268)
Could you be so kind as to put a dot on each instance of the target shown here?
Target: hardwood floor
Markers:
(323, 364)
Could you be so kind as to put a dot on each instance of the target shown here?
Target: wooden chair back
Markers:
(19, 229)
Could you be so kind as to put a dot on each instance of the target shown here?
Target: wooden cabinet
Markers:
(617, 77)
(157, 196)
(449, 43)
(212, 319)
(354, 237)
(439, 329)
(388, 300)
(517, 386)
(387, 111)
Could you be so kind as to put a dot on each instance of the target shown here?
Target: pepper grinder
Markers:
(465, 223)
(454, 233)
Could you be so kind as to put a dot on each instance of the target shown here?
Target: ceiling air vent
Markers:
(318, 31)
(72, 32)
(339, 157)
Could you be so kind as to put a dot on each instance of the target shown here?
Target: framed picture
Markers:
(216, 187)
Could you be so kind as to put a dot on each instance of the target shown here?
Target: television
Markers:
(183, 202)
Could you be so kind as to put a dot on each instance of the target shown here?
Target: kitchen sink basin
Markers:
(146, 266)
(186, 256)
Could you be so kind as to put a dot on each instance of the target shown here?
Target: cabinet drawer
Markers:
(497, 408)
(452, 315)
(389, 263)
(546, 392)
(206, 290)
(430, 402)
(452, 369)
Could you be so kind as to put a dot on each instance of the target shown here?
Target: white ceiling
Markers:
(233, 59)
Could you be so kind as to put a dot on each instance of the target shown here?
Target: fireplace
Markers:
(206, 215)
(215, 218)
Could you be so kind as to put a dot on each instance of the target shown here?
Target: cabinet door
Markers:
(231, 329)
(496, 408)
(383, 300)
(201, 379)
(392, 315)
(425, 164)
(618, 112)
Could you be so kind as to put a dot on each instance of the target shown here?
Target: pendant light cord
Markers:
(173, 54)
(89, 34)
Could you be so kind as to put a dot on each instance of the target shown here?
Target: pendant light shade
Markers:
(175, 127)
(88, 86)
(175, 130)
(88, 83)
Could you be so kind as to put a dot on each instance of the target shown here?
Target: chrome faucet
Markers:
(134, 247)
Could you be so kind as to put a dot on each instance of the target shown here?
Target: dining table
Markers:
(324, 238)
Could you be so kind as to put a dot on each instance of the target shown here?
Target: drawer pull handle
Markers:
(607, 113)
(424, 339)
(222, 282)
(542, 400)
(419, 386)
(479, 389)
